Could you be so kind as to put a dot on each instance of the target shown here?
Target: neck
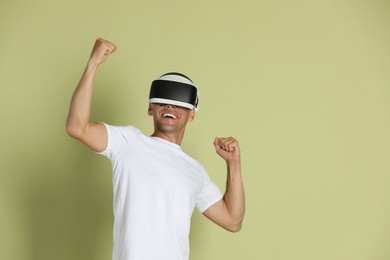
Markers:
(173, 138)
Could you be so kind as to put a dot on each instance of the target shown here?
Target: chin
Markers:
(167, 129)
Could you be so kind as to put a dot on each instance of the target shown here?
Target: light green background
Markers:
(304, 85)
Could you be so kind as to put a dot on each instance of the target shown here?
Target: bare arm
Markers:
(229, 212)
(78, 124)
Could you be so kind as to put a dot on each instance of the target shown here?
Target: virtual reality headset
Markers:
(174, 89)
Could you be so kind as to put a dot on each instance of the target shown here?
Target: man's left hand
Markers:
(227, 148)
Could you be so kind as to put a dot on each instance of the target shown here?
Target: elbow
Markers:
(234, 228)
(73, 130)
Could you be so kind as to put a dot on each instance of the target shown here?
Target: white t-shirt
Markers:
(156, 188)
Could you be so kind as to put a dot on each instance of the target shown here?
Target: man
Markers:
(156, 185)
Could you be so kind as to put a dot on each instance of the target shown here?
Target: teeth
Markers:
(170, 115)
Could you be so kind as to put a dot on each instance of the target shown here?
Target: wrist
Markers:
(92, 63)
(91, 67)
(234, 164)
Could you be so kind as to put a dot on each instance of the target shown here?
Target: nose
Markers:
(169, 106)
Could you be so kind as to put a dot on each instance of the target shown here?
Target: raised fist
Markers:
(101, 50)
(228, 148)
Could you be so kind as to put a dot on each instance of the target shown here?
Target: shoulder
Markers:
(123, 131)
(119, 139)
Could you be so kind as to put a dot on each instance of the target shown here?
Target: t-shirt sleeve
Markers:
(119, 138)
(208, 196)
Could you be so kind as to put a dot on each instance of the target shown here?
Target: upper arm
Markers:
(94, 136)
(219, 214)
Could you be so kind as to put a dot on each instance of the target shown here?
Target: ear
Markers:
(150, 110)
(191, 117)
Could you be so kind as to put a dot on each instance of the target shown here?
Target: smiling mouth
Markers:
(169, 116)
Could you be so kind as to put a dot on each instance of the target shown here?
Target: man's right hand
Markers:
(78, 124)
(101, 50)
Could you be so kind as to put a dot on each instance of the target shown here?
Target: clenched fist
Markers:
(101, 50)
(227, 148)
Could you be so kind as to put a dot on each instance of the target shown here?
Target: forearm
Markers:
(234, 195)
(80, 106)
